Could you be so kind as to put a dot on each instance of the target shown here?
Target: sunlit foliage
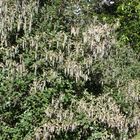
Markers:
(68, 71)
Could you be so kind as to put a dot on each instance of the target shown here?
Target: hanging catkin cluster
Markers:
(105, 112)
(65, 54)
(16, 15)
(89, 44)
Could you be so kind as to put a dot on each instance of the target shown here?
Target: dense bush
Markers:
(68, 71)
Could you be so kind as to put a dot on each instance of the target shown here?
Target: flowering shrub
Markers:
(65, 74)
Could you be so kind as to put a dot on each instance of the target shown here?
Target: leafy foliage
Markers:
(68, 72)
(129, 16)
